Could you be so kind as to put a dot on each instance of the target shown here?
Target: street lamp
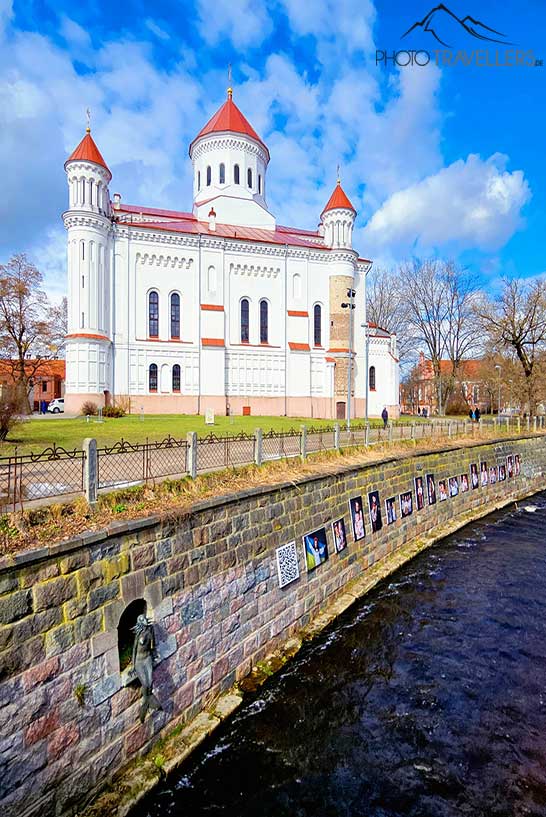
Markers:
(498, 368)
(366, 328)
(350, 305)
(510, 400)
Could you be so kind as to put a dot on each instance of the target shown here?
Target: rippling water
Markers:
(427, 699)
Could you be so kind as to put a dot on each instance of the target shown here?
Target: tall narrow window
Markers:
(259, 183)
(236, 174)
(152, 377)
(264, 328)
(175, 315)
(245, 322)
(317, 325)
(176, 377)
(199, 180)
(249, 177)
(153, 315)
(209, 175)
(222, 174)
(372, 378)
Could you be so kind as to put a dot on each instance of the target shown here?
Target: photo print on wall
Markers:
(419, 493)
(474, 479)
(287, 564)
(339, 534)
(431, 489)
(493, 474)
(357, 518)
(502, 472)
(465, 485)
(517, 465)
(375, 511)
(510, 466)
(406, 504)
(442, 489)
(390, 510)
(453, 487)
(315, 548)
(483, 474)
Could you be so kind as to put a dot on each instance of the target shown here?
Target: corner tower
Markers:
(88, 223)
(229, 170)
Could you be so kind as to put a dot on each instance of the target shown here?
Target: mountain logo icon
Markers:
(442, 23)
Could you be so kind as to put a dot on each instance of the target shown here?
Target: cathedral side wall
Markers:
(69, 716)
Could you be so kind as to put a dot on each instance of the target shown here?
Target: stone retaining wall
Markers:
(69, 716)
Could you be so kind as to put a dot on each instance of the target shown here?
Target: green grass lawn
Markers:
(35, 434)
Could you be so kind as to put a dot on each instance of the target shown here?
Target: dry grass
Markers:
(34, 528)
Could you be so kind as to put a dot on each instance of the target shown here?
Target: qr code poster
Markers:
(287, 564)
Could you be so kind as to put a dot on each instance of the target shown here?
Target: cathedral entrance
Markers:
(340, 410)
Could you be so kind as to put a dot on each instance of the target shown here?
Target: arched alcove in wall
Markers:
(126, 635)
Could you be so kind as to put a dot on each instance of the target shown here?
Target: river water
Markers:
(428, 699)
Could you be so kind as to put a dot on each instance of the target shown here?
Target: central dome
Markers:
(229, 119)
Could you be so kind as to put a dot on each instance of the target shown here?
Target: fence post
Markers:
(258, 446)
(449, 429)
(413, 432)
(367, 435)
(90, 474)
(191, 439)
(519, 425)
(528, 423)
(535, 423)
(303, 442)
(390, 432)
(336, 436)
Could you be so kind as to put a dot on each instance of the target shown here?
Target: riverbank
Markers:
(208, 577)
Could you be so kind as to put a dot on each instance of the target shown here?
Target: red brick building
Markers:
(418, 392)
(47, 380)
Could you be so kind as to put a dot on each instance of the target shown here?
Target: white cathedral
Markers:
(219, 308)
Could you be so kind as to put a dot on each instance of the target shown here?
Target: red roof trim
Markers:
(294, 313)
(212, 307)
(340, 349)
(213, 342)
(299, 347)
(92, 335)
(330, 360)
(338, 201)
(229, 119)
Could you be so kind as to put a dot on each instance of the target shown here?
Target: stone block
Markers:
(105, 688)
(114, 568)
(41, 727)
(136, 739)
(156, 571)
(61, 739)
(39, 573)
(132, 586)
(59, 640)
(15, 606)
(166, 648)
(153, 595)
(53, 593)
(102, 642)
(164, 550)
(8, 583)
(163, 609)
(192, 611)
(112, 614)
(75, 561)
(89, 578)
(88, 625)
(75, 608)
(101, 595)
(41, 673)
(143, 556)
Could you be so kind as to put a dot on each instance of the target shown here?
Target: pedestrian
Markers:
(477, 414)
(471, 414)
(385, 417)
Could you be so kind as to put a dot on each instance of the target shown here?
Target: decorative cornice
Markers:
(209, 144)
(84, 218)
(254, 270)
(172, 261)
(78, 166)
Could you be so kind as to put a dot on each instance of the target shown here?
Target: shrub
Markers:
(8, 417)
(113, 411)
(89, 408)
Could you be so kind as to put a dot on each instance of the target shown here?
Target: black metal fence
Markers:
(56, 472)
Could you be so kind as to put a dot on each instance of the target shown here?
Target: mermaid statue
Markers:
(143, 652)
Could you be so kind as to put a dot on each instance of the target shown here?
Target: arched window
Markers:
(175, 315)
(264, 328)
(199, 180)
(236, 175)
(249, 177)
(126, 634)
(222, 173)
(152, 377)
(371, 380)
(211, 283)
(83, 191)
(259, 183)
(209, 175)
(296, 286)
(317, 325)
(176, 377)
(153, 315)
(245, 321)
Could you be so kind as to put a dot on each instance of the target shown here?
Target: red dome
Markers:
(229, 119)
(338, 200)
(87, 151)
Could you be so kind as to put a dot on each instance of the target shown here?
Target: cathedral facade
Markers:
(219, 308)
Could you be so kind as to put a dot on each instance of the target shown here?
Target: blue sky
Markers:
(437, 160)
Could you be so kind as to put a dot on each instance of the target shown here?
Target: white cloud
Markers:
(159, 32)
(469, 204)
(6, 13)
(243, 22)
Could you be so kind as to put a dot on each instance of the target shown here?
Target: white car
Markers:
(56, 406)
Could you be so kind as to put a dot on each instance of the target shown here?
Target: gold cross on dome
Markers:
(88, 114)
(338, 176)
(230, 89)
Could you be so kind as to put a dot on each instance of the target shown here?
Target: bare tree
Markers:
(440, 300)
(28, 336)
(386, 307)
(516, 321)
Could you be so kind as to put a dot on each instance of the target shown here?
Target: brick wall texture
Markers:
(69, 717)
